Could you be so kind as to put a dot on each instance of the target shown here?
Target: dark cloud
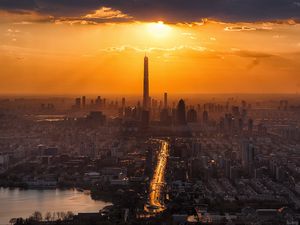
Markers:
(172, 10)
(252, 54)
(18, 6)
(255, 62)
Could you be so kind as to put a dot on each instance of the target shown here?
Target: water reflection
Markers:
(22, 203)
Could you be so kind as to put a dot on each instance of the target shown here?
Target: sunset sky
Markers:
(194, 46)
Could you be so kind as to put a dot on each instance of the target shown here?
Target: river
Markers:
(22, 203)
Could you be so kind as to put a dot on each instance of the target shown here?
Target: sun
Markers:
(159, 29)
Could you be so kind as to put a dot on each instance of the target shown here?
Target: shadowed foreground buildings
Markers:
(237, 164)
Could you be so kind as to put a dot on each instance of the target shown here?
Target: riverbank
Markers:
(16, 202)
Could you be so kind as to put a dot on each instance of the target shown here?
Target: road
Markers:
(156, 204)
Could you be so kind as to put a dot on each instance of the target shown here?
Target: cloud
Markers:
(256, 58)
(106, 13)
(255, 62)
(250, 54)
(22, 17)
(278, 36)
(153, 49)
(74, 21)
(297, 4)
(195, 51)
(167, 10)
(239, 28)
(189, 35)
(23, 23)
(18, 6)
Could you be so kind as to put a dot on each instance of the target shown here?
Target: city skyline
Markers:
(149, 112)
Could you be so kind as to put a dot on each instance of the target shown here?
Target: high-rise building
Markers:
(145, 118)
(248, 154)
(180, 114)
(227, 167)
(192, 116)
(165, 118)
(205, 117)
(233, 173)
(77, 103)
(165, 100)
(123, 103)
(83, 101)
(196, 148)
(146, 98)
(98, 100)
(241, 125)
(250, 125)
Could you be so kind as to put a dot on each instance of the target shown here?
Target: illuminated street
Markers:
(157, 183)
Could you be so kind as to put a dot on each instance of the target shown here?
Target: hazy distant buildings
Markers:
(96, 118)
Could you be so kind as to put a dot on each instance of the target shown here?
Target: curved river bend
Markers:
(22, 203)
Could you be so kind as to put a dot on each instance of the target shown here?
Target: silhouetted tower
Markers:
(181, 116)
(146, 85)
(123, 103)
(165, 100)
(77, 103)
(192, 116)
(83, 99)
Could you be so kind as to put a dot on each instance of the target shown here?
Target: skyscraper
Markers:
(205, 117)
(181, 116)
(191, 116)
(77, 103)
(123, 103)
(83, 98)
(146, 85)
(248, 154)
(165, 100)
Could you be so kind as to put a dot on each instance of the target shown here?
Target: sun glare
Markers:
(159, 29)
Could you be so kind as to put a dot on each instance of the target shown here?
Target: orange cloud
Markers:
(106, 13)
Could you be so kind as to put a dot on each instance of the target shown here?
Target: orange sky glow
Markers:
(74, 57)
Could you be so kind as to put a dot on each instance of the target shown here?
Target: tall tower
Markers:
(181, 116)
(165, 100)
(248, 154)
(146, 85)
(83, 101)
